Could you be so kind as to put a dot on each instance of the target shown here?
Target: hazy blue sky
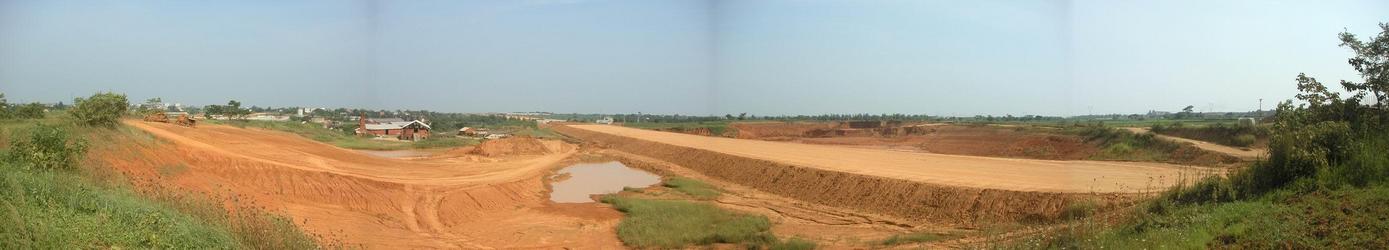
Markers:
(690, 57)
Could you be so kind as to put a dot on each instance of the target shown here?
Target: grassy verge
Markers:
(60, 210)
(344, 140)
(48, 202)
(692, 187)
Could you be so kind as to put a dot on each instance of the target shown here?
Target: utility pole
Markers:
(1261, 105)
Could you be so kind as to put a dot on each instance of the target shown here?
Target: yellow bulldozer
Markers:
(160, 116)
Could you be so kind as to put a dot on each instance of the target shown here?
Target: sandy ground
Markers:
(950, 170)
(445, 201)
(1245, 154)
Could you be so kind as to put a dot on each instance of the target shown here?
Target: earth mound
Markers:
(511, 146)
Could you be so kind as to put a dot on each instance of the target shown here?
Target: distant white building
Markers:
(605, 120)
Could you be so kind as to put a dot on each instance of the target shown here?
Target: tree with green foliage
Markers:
(46, 147)
(100, 110)
(4, 107)
(233, 110)
(29, 111)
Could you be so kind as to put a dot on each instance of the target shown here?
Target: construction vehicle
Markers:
(182, 120)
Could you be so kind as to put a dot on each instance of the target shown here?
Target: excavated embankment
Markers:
(909, 200)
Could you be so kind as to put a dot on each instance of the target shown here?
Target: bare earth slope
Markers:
(1232, 151)
(951, 170)
(363, 200)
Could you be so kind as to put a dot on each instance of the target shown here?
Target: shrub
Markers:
(29, 111)
(46, 147)
(1243, 140)
(100, 110)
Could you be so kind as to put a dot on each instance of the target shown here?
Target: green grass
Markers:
(93, 206)
(344, 140)
(692, 187)
(670, 224)
(59, 210)
(1339, 219)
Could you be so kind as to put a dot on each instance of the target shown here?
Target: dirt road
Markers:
(1250, 154)
(948, 170)
(446, 201)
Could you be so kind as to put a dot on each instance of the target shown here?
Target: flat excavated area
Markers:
(950, 170)
(446, 200)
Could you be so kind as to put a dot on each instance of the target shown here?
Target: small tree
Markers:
(233, 110)
(212, 110)
(100, 110)
(4, 107)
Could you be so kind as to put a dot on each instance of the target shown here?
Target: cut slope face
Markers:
(917, 187)
(436, 202)
(949, 170)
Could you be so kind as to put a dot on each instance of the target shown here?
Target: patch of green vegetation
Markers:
(345, 140)
(1122, 145)
(1219, 133)
(1324, 185)
(692, 187)
(670, 224)
(56, 209)
(912, 238)
(48, 200)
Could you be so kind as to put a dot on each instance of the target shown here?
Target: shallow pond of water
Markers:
(396, 153)
(587, 179)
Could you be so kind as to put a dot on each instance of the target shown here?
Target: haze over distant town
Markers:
(687, 57)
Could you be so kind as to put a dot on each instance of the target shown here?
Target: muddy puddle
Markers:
(587, 179)
(396, 153)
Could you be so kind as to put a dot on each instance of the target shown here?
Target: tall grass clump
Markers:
(670, 224)
(692, 187)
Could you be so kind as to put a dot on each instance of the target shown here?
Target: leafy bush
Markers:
(100, 110)
(29, 111)
(46, 147)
